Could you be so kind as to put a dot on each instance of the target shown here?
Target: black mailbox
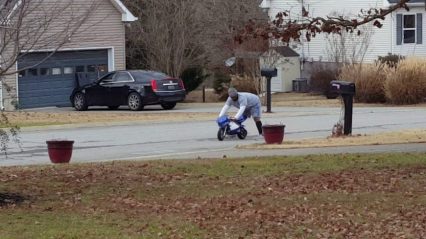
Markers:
(347, 91)
(268, 72)
(342, 87)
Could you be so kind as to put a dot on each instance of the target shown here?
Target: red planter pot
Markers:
(274, 133)
(60, 151)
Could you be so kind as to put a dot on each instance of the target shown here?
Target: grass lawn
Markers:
(339, 196)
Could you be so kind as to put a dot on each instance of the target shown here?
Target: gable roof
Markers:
(412, 1)
(285, 51)
(126, 15)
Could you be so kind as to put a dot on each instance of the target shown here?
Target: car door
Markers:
(119, 88)
(98, 94)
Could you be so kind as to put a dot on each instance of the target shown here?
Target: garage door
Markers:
(51, 82)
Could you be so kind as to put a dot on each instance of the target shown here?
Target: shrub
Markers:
(321, 76)
(369, 81)
(241, 83)
(244, 83)
(390, 60)
(221, 84)
(193, 77)
(406, 84)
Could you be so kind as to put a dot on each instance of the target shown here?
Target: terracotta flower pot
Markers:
(60, 151)
(274, 133)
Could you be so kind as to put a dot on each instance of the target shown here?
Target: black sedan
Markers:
(135, 88)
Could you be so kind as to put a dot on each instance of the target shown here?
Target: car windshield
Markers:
(148, 75)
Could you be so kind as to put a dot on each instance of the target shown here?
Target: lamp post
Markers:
(268, 73)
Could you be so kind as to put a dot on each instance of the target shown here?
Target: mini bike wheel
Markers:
(221, 134)
(242, 134)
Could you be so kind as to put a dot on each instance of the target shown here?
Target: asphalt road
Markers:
(197, 139)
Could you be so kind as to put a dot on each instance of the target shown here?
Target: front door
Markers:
(99, 94)
(120, 88)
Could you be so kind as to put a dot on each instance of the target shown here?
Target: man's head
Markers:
(233, 93)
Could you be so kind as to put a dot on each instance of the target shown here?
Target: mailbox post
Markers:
(347, 91)
(268, 73)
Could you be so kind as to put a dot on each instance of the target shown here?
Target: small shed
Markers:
(287, 62)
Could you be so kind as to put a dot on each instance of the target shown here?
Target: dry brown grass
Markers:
(197, 96)
(400, 137)
(369, 81)
(407, 83)
(302, 100)
(24, 119)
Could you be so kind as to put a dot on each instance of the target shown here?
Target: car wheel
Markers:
(242, 134)
(221, 134)
(80, 103)
(168, 105)
(113, 107)
(134, 101)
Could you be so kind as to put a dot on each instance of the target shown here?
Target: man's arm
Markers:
(224, 110)
(240, 112)
(243, 105)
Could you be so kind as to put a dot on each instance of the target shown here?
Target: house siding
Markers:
(383, 40)
(103, 29)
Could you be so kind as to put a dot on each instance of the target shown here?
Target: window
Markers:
(68, 70)
(103, 68)
(44, 71)
(91, 68)
(56, 71)
(409, 28)
(79, 69)
(122, 77)
(32, 72)
(107, 78)
(22, 73)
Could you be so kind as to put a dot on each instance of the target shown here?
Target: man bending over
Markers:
(248, 105)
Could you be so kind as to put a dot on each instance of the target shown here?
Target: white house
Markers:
(402, 32)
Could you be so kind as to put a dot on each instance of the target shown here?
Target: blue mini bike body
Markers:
(231, 127)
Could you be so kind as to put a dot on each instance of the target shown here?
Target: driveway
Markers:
(197, 139)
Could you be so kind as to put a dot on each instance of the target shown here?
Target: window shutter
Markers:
(398, 29)
(419, 26)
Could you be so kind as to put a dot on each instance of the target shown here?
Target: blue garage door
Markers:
(51, 82)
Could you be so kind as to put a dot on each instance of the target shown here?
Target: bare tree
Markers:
(349, 47)
(224, 19)
(168, 35)
(36, 25)
(174, 35)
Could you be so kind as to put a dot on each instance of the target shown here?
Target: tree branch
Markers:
(286, 29)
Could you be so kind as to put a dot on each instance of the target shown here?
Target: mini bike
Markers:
(231, 127)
